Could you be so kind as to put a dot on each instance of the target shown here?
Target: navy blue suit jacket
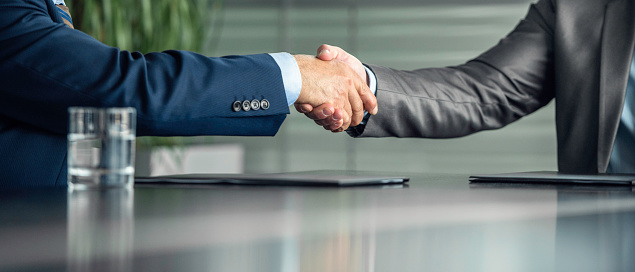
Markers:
(46, 67)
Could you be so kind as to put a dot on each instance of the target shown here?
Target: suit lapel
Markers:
(618, 40)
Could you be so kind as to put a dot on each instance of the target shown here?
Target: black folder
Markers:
(313, 178)
(555, 177)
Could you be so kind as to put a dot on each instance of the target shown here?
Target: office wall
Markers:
(397, 33)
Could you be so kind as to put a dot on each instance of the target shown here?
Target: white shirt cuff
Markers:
(291, 77)
(59, 2)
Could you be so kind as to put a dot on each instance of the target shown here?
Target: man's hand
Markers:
(336, 95)
(320, 114)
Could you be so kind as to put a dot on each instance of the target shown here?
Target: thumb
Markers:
(327, 52)
(368, 99)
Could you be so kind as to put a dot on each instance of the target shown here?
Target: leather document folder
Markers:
(312, 178)
(555, 177)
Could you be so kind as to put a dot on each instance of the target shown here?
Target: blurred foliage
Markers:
(149, 26)
(144, 25)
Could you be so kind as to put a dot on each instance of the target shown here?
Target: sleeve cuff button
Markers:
(237, 105)
(264, 104)
(255, 104)
(246, 105)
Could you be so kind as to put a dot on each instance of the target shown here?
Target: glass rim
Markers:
(76, 109)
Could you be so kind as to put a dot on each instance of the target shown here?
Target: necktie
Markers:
(66, 15)
(623, 155)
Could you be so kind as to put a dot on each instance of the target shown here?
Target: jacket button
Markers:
(246, 105)
(264, 104)
(237, 105)
(255, 104)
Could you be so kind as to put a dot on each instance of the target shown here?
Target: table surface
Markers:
(436, 222)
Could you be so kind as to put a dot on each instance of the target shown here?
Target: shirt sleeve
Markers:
(291, 77)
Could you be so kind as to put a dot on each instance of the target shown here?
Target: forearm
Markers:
(511, 80)
(445, 102)
(48, 67)
(175, 93)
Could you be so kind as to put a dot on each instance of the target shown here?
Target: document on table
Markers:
(312, 178)
(555, 177)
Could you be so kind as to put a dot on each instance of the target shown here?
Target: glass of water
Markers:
(101, 147)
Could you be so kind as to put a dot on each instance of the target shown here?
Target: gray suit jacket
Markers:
(576, 51)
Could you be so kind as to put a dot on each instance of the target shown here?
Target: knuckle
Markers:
(357, 106)
(349, 81)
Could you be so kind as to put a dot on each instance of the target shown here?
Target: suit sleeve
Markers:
(47, 67)
(509, 81)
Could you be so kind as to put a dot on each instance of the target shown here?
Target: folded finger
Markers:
(347, 112)
(303, 108)
(321, 112)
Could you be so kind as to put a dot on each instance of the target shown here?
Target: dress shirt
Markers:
(623, 155)
(291, 77)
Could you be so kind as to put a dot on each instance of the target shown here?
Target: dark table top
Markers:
(437, 222)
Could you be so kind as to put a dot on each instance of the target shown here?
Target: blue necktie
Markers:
(66, 15)
(623, 155)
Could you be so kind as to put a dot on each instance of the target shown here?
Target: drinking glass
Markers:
(101, 147)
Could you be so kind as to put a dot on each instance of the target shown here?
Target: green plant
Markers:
(148, 26)
(143, 25)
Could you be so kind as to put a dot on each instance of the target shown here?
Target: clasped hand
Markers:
(335, 89)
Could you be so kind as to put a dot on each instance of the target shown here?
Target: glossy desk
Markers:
(436, 223)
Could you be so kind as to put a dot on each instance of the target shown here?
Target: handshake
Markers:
(335, 89)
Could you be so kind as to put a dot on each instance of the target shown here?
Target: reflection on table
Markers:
(100, 230)
(437, 223)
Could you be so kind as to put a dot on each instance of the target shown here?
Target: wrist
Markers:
(303, 65)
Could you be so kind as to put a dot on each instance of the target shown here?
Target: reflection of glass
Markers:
(100, 230)
(343, 251)
(336, 238)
